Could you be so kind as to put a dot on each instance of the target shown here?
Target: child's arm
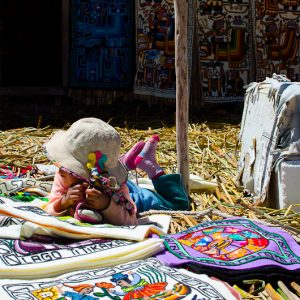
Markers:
(63, 198)
(117, 214)
(73, 195)
(112, 212)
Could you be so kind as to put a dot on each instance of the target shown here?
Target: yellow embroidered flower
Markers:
(91, 160)
(46, 293)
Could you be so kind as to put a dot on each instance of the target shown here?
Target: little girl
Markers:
(91, 181)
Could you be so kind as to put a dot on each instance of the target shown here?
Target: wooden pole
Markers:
(182, 88)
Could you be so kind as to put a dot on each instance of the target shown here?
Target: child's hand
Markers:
(96, 199)
(74, 194)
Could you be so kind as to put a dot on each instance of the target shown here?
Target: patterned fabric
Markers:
(8, 187)
(223, 44)
(42, 256)
(244, 41)
(233, 246)
(38, 220)
(11, 172)
(238, 42)
(155, 46)
(24, 197)
(102, 43)
(147, 279)
(34, 244)
(277, 38)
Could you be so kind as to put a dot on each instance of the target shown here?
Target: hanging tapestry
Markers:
(155, 48)
(277, 38)
(102, 44)
(223, 45)
(146, 279)
(238, 247)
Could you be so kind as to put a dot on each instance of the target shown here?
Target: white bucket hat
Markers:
(71, 148)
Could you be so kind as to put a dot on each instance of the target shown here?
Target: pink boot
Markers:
(129, 158)
(146, 160)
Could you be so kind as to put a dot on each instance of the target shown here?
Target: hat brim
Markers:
(57, 151)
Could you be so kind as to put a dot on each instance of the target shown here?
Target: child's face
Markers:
(69, 179)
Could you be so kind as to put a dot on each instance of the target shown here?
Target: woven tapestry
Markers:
(223, 35)
(277, 38)
(147, 279)
(155, 47)
(102, 44)
(234, 246)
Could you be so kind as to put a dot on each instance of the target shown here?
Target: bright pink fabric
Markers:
(115, 214)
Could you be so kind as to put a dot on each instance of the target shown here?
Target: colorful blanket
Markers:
(42, 256)
(10, 172)
(244, 41)
(34, 244)
(238, 247)
(141, 279)
(40, 222)
(238, 42)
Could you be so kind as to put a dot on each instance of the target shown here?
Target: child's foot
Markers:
(146, 160)
(129, 158)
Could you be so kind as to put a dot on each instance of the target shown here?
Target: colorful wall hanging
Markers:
(238, 247)
(102, 44)
(242, 41)
(223, 43)
(238, 41)
(155, 48)
(277, 38)
(147, 279)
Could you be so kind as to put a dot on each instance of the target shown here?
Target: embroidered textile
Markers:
(223, 45)
(18, 184)
(155, 46)
(10, 172)
(233, 246)
(244, 41)
(238, 42)
(134, 280)
(38, 221)
(42, 256)
(277, 38)
(102, 44)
